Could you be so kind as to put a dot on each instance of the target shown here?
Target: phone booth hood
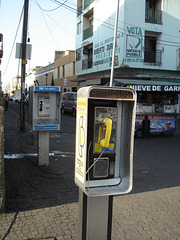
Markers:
(105, 124)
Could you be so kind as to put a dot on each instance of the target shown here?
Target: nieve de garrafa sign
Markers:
(154, 88)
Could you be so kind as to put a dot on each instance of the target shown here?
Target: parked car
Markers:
(69, 102)
(11, 98)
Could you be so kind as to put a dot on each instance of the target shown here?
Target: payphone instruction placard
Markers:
(81, 120)
(44, 106)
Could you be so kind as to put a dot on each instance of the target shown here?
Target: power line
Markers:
(50, 10)
(103, 24)
(46, 23)
(111, 26)
(14, 41)
(54, 21)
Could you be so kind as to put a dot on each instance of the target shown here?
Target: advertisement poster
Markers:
(158, 125)
(134, 46)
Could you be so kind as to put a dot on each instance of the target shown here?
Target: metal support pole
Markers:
(95, 213)
(43, 148)
(23, 66)
(95, 217)
(114, 44)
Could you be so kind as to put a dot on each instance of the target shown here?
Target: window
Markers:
(73, 68)
(88, 24)
(151, 54)
(79, 28)
(178, 58)
(78, 55)
(87, 3)
(79, 7)
(58, 72)
(153, 13)
(63, 68)
(88, 61)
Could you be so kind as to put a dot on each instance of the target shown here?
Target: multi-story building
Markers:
(64, 70)
(148, 40)
(147, 54)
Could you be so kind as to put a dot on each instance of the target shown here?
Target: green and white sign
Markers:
(134, 45)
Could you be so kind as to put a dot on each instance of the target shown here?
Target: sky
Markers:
(51, 26)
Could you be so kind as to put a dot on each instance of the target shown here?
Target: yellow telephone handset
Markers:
(105, 141)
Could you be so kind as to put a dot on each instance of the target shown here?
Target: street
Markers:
(42, 202)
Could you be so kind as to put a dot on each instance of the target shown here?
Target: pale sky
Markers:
(48, 31)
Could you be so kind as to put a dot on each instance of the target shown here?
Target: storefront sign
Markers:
(154, 88)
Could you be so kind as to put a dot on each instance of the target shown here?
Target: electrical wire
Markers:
(50, 10)
(111, 26)
(120, 30)
(103, 24)
(46, 23)
(14, 41)
(36, 2)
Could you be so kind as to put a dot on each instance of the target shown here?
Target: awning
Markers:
(148, 86)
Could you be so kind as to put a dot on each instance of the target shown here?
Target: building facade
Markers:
(64, 70)
(147, 46)
(44, 76)
(59, 73)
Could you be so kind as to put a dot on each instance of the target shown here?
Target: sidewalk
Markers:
(42, 202)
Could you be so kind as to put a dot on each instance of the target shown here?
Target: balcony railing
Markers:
(87, 3)
(153, 16)
(79, 10)
(88, 32)
(87, 63)
(153, 56)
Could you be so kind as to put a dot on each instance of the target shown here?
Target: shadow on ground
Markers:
(28, 186)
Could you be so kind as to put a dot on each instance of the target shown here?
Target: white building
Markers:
(148, 40)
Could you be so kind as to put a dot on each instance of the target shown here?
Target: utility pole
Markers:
(23, 66)
(114, 44)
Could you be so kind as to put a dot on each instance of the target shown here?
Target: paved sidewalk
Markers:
(42, 202)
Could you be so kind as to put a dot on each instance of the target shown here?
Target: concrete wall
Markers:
(2, 186)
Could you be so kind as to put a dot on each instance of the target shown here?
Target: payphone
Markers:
(46, 117)
(46, 108)
(104, 140)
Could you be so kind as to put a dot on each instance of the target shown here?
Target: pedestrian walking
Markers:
(6, 102)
